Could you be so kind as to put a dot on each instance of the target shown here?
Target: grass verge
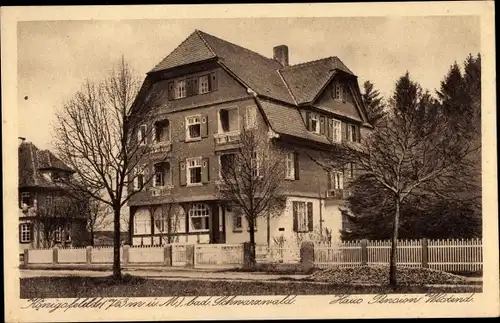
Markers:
(132, 286)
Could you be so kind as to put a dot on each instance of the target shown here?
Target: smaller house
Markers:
(48, 215)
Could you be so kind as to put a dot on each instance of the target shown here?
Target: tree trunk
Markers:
(130, 226)
(117, 272)
(252, 240)
(92, 237)
(394, 244)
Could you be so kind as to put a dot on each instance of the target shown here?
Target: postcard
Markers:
(270, 161)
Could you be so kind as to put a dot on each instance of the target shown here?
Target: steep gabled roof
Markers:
(306, 80)
(32, 160)
(193, 49)
(252, 69)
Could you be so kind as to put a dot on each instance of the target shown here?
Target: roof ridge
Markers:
(244, 48)
(309, 62)
(200, 34)
(196, 31)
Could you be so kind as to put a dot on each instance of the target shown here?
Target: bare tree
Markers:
(411, 151)
(166, 217)
(251, 178)
(53, 220)
(97, 218)
(103, 133)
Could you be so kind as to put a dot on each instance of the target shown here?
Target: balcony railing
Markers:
(160, 147)
(227, 137)
(161, 190)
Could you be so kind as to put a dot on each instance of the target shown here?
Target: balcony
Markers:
(230, 137)
(337, 194)
(161, 190)
(160, 147)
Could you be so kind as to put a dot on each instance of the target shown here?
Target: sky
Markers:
(56, 57)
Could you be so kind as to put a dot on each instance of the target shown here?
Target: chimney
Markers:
(22, 139)
(281, 54)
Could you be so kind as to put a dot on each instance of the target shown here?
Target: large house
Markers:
(206, 89)
(47, 215)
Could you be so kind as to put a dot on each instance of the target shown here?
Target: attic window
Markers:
(338, 92)
(180, 89)
(314, 122)
(26, 199)
(56, 177)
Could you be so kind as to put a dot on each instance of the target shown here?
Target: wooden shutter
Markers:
(322, 125)
(308, 120)
(31, 227)
(213, 81)
(296, 164)
(182, 173)
(344, 131)
(171, 91)
(205, 171)
(204, 126)
(295, 208)
(310, 224)
(329, 128)
(358, 133)
(189, 87)
(194, 85)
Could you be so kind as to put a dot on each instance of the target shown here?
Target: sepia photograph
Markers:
(332, 160)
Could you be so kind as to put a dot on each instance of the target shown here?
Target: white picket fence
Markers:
(447, 255)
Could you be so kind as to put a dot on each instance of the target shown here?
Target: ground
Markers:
(162, 283)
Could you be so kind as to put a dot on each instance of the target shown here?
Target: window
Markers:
(199, 215)
(250, 117)
(336, 180)
(58, 232)
(68, 232)
(25, 232)
(226, 163)
(49, 199)
(204, 85)
(193, 171)
(314, 123)
(254, 224)
(138, 181)
(352, 133)
(255, 164)
(350, 170)
(141, 135)
(26, 198)
(56, 177)
(237, 218)
(142, 223)
(301, 216)
(228, 120)
(180, 89)
(290, 165)
(161, 223)
(161, 131)
(193, 127)
(336, 130)
(159, 177)
(338, 91)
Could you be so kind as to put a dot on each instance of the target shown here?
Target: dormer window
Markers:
(26, 199)
(189, 86)
(204, 84)
(338, 91)
(313, 122)
(56, 178)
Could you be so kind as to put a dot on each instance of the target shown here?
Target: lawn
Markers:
(73, 287)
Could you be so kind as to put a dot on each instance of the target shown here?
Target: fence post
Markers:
(126, 250)
(26, 257)
(167, 255)
(190, 256)
(425, 253)
(364, 252)
(88, 255)
(55, 255)
(306, 255)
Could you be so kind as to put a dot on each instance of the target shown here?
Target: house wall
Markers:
(205, 148)
(347, 108)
